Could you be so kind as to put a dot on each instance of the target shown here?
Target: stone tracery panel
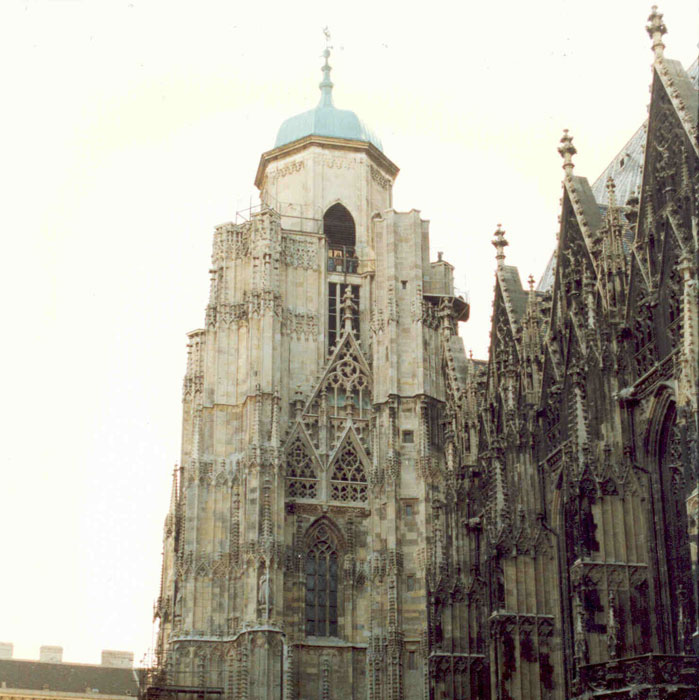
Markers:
(301, 478)
(348, 480)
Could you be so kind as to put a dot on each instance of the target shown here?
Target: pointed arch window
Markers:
(339, 228)
(321, 569)
(340, 232)
(301, 478)
(348, 480)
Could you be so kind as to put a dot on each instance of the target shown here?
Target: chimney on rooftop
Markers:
(117, 659)
(51, 654)
(6, 650)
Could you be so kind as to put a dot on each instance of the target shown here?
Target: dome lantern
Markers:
(325, 119)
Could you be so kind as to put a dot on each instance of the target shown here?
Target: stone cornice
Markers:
(375, 155)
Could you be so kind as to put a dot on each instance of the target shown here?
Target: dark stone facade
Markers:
(575, 506)
(526, 526)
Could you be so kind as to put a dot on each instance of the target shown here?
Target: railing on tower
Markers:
(295, 218)
(342, 259)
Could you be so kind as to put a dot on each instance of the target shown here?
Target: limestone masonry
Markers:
(362, 511)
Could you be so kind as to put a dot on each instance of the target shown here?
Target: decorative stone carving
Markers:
(382, 181)
(298, 252)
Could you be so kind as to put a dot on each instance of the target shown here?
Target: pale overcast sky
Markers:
(132, 128)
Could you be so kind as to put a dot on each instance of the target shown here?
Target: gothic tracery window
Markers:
(348, 387)
(348, 481)
(301, 479)
(321, 571)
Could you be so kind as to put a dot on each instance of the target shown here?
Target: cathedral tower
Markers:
(314, 450)
(362, 512)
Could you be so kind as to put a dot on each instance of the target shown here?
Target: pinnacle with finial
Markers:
(326, 85)
(567, 151)
(348, 308)
(632, 206)
(499, 241)
(656, 28)
(611, 191)
(532, 296)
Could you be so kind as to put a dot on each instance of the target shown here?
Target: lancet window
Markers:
(321, 585)
(348, 482)
(301, 478)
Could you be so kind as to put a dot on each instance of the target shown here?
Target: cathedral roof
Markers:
(626, 169)
(546, 281)
(626, 166)
(326, 120)
(511, 284)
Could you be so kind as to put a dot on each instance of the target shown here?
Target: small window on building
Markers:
(408, 436)
(404, 284)
(408, 510)
(410, 583)
(436, 425)
(412, 661)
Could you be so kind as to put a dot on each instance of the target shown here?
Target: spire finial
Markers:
(656, 28)
(326, 85)
(174, 490)
(500, 242)
(611, 191)
(348, 308)
(531, 281)
(567, 151)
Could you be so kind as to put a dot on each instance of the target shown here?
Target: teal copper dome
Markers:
(326, 119)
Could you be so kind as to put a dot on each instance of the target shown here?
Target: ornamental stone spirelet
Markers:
(656, 29)
(567, 151)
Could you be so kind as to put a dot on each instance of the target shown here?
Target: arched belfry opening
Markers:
(340, 232)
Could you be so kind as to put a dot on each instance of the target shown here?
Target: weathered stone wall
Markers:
(362, 511)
